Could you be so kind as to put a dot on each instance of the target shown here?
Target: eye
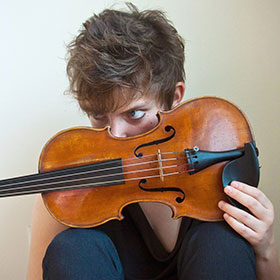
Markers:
(136, 114)
(97, 116)
(98, 121)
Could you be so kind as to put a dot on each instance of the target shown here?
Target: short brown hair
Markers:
(133, 50)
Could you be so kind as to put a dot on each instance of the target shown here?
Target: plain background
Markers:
(232, 51)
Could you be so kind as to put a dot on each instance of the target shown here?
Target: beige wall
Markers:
(232, 50)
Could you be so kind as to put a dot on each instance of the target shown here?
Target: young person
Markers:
(123, 68)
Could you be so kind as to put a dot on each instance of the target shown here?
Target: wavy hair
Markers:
(139, 52)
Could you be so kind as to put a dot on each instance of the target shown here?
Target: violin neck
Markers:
(105, 173)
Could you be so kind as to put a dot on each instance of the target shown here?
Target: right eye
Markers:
(98, 121)
(98, 116)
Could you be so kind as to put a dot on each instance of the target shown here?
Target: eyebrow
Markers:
(136, 107)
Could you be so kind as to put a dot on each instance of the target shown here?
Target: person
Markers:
(123, 67)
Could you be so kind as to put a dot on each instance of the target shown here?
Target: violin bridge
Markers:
(160, 165)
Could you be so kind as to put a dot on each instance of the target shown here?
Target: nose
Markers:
(119, 128)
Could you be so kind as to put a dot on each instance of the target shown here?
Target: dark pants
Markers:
(208, 251)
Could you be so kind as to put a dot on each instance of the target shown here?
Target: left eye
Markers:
(136, 114)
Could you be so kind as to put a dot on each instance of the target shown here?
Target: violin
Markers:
(87, 176)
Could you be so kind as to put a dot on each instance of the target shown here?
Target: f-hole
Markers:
(178, 199)
(156, 142)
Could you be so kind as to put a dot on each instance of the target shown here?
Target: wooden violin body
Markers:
(148, 169)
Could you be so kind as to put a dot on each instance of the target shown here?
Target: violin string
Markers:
(83, 173)
(86, 178)
(92, 178)
(152, 155)
(89, 185)
(89, 171)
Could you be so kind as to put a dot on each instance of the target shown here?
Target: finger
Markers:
(240, 228)
(248, 201)
(241, 216)
(253, 192)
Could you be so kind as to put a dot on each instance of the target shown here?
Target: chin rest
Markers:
(245, 169)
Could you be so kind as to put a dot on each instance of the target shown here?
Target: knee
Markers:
(75, 239)
(80, 251)
(211, 235)
(215, 250)
(71, 241)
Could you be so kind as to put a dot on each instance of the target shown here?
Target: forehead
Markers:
(138, 103)
(118, 100)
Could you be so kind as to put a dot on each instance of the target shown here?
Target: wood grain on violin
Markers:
(87, 176)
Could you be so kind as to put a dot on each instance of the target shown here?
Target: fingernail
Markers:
(234, 184)
(221, 204)
(228, 189)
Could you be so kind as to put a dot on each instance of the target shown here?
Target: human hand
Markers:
(256, 227)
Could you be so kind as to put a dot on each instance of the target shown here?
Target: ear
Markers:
(179, 93)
